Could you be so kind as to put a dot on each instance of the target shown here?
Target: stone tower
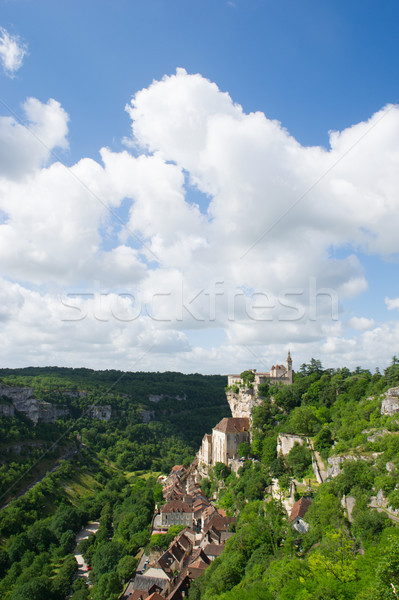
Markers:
(289, 367)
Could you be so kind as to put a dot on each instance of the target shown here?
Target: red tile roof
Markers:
(233, 425)
(300, 508)
(214, 549)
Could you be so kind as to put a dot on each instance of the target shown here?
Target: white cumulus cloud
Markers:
(12, 52)
(144, 270)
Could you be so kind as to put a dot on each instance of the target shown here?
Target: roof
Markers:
(176, 506)
(300, 508)
(233, 425)
(177, 552)
(213, 549)
(183, 541)
(165, 561)
(157, 573)
(177, 468)
(141, 582)
(218, 523)
(156, 596)
(138, 595)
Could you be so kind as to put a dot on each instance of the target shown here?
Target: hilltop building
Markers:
(278, 375)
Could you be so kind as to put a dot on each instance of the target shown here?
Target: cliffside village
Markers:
(168, 576)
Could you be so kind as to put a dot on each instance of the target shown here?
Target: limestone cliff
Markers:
(23, 401)
(242, 402)
(100, 413)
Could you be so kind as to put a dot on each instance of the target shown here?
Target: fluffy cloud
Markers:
(256, 269)
(12, 52)
(392, 303)
(24, 148)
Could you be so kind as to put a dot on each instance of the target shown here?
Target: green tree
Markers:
(244, 449)
(106, 557)
(299, 460)
(303, 420)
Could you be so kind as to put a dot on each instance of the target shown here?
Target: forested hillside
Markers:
(347, 553)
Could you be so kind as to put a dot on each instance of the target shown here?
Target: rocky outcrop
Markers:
(37, 410)
(147, 415)
(242, 403)
(335, 464)
(158, 397)
(390, 404)
(23, 401)
(23, 447)
(100, 413)
(381, 501)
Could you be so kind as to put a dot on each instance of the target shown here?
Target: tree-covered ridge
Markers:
(344, 555)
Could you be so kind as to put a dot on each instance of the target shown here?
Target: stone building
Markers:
(177, 512)
(222, 445)
(297, 514)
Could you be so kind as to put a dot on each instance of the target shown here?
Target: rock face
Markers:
(335, 462)
(286, 441)
(36, 410)
(382, 502)
(242, 403)
(100, 413)
(390, 404)
(147, 415)
(24, 401)
(158, 397)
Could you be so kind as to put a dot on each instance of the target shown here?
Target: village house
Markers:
(298, 512)
(177, 512)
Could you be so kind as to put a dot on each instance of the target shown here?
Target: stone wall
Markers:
(286, 441)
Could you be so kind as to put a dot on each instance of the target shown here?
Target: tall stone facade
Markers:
(222, 445)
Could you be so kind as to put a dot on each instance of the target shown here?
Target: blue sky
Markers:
(313, 67)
